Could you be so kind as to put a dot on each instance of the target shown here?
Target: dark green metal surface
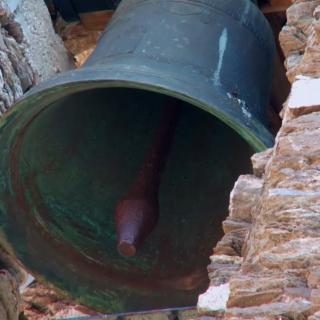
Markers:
(72, 147)
(163, 314)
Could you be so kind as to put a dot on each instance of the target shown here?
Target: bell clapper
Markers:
(137, 213)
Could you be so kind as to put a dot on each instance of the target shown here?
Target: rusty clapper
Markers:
(136, 153)
(138, 212)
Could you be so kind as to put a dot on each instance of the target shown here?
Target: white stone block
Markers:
(214, 300)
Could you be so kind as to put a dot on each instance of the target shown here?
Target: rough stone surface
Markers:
(277, 274)
(41, 303)
(259, 162)
(226, 261)
(43, 47)
(243, 197)
(30, 51)
(16, 73)
(9, 297)
(300, 39)
(304, 97)
(215, 299)
(222, 268)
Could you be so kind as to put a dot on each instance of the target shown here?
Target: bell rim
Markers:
(81, 80)
(249, 127)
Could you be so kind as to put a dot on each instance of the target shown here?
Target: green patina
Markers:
(73, 146)
(76, 162)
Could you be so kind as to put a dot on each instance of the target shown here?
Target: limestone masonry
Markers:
(267, 266)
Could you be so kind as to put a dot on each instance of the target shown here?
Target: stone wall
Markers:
(30, 52)
(267, 266)
(300, 39)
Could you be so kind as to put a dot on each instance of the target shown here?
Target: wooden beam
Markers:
(96, 20)
(275, 6)
(280, 2)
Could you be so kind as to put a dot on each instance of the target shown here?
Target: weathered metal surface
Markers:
(165, 314)
(72, 147)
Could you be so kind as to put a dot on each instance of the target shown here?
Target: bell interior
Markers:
(82, 153)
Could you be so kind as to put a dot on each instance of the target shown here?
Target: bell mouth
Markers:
(73, 160)
(249, 123)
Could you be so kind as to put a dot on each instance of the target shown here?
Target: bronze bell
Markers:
(115, 177)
